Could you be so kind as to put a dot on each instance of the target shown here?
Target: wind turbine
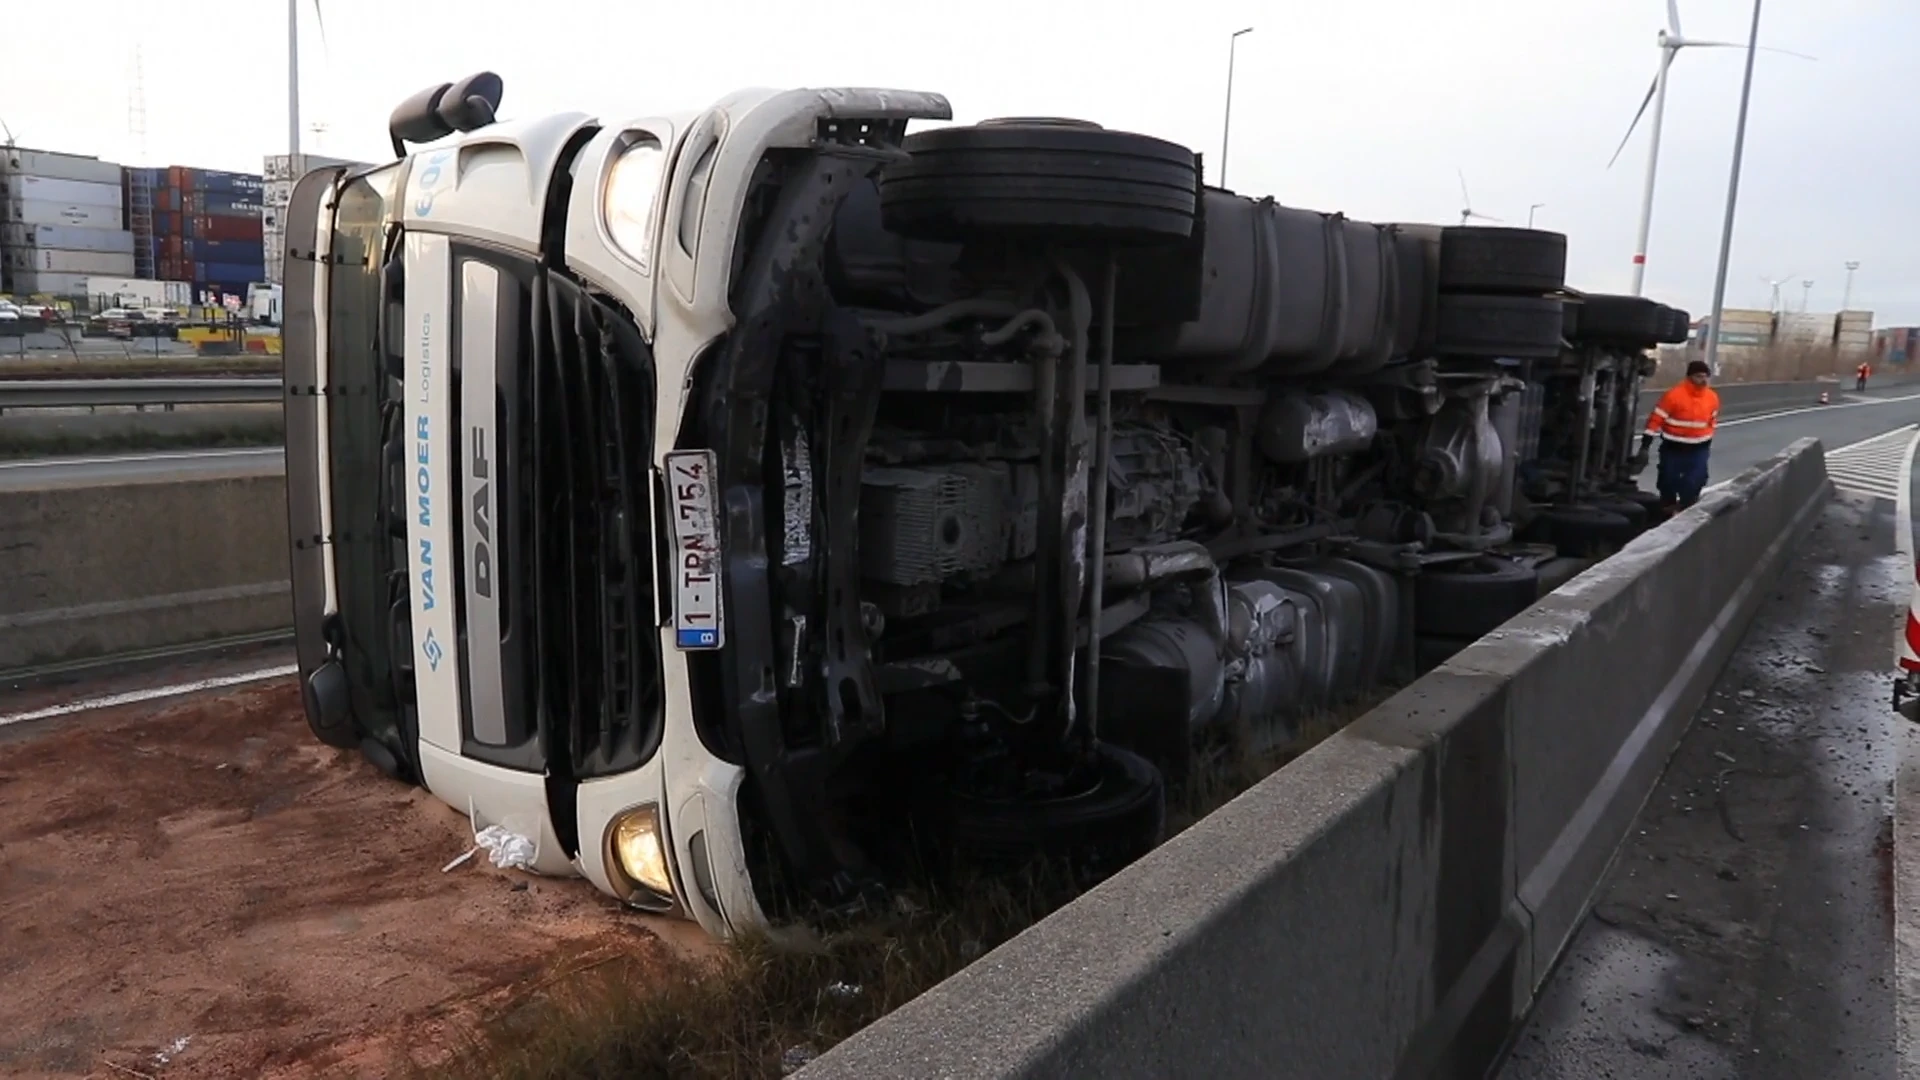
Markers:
(1670, 42)
(1467, 212)
(1773, 304)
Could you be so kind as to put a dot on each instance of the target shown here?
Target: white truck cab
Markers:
(532, 294)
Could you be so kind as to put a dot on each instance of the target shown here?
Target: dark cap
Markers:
(1698, 367)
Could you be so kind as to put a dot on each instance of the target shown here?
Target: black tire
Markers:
(1041, 175)
(1522, 327)
(1466, 600)
(1477, 259)
(1431, 651)
(1636, 513)
(329, 717)
(1586, 530)
(1676, 326)
(1116, 814)
(1623, 320)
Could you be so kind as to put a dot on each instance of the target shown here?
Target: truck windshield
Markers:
(363, 548)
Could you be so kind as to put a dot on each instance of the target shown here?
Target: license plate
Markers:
(697, 619)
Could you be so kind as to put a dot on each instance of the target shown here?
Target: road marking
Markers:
(121, 459)
(1875, 466)
(134, 697)
(1819, 408)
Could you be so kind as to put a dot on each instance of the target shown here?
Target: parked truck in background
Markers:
(745, 506)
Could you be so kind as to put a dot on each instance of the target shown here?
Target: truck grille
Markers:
(599, 650)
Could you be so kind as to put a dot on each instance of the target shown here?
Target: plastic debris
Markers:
(508, 850)
(172, 1050)
(842, 990)
(461, 861)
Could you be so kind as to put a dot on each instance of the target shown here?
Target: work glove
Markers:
(1638, 464)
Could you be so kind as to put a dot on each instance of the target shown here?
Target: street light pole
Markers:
(1530, 210)
(1733, 192)
(293, 78)
(1846, 296)
(1226, 126)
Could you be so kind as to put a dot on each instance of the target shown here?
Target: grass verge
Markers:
(760, 1011)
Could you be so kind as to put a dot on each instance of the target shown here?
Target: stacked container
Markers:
(62, 220)
(201, 226)
(282, 171)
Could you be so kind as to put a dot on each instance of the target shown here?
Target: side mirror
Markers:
(471, 103)
(467, 105)
(418, 120)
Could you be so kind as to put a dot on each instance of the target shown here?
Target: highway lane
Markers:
(203, 464)
(1746, 930)
(1745, 441)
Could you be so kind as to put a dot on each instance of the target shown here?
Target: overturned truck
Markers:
(740, 506)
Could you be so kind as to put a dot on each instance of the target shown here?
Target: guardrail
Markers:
(82, 393)
(1389, 904)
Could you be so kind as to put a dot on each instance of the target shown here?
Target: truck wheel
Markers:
(1521, 327)
(1041, 175)
(326, 699)
(1477, 259)
(1676, 326)
(1629, 320)
(1099, 816)
(1586, 530)
(1466, 600)
(1633, 510)
(1430, 652)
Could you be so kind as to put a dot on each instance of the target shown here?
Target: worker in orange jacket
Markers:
(1684, 421)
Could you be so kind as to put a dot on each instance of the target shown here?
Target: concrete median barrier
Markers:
(104, 569)
(1389, 904)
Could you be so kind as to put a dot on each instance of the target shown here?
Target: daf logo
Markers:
(482, 518)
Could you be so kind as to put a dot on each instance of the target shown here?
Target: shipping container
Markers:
(52, 166)
(209, 202)
(227, 273)
(54, 260)
(39, 212)
(1806, 328)
(224, 251)
(283, 167)
(78, 192)
(206, 228)
(31, 283)
(1732, 317)
(130, 291)
(225, 183)
(69, 237)
(1856, 320)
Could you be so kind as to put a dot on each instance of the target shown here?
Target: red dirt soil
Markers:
(198, 888)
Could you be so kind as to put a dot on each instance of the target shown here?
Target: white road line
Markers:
(1818, 408)
(121, 459)
(1875, 466)
(134, 697)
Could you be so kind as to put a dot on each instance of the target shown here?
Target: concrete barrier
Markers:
(103, 569)
(1389, 904)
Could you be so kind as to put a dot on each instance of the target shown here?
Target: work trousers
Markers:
(1683, 472)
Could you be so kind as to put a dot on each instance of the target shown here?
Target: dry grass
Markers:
(761, 1011)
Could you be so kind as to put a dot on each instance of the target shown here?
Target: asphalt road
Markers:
(110, 468)
(1747, 929)
(1744, 441)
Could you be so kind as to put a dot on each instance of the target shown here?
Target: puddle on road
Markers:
(1601, 1009)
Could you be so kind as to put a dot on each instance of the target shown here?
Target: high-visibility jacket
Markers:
(1863, 371)
(1686, 414)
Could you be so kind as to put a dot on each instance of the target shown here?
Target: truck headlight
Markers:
(637, 857)
(630, 195)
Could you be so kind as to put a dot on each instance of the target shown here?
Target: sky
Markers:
(1369, 107)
